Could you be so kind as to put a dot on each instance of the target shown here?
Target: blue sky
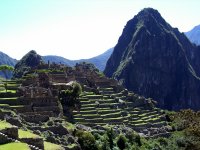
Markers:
(78, 29)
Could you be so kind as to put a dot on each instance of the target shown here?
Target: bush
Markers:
(70, 97)
(110, 135)
(86, 140)
(134, 138)
(77, 89)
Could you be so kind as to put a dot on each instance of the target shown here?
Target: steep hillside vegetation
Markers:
(99, 61)
(194, 35)
(155, 60)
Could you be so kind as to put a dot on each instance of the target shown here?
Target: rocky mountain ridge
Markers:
(155, 60)
(99, 61)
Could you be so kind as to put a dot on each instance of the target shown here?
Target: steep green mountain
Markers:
(99, 61)
(5, 59)
(155, 60)
(194, 35)
(30, 60)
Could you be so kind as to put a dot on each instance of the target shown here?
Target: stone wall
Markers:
(41, 101)
(36, 118)
(38, 142)
(11, 132)
(4, 139)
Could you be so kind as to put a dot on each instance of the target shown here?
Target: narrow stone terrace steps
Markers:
(110, 107)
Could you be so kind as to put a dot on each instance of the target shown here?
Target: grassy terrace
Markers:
(4, 124)
(26, 134)
(15, 146)
(4, 105)
(8, 91)
(9, 98)
(51, 146)
(107, 111)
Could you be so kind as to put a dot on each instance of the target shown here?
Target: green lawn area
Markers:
(14, 146)
(51, 146)
(4, 91)
(16, 106)
(4, 124)
(9, 98)
(3, 105)
(26, 134)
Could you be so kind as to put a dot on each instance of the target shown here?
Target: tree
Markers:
(6, 69)
(121, 142)
(86, 140)
(110, 135)
(70, 97)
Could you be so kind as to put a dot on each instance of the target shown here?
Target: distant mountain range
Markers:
(5, 59)
(155, 60)
(99, 61)
(194, 35)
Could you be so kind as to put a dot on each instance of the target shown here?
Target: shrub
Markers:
(77, 90)
(162, 141)
(70, 97)
(86, 140)
(104, 143)
(134, 138)
(110, 135)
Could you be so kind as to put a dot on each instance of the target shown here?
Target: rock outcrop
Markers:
(155, 60)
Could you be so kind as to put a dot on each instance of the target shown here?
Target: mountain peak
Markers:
(30, 60)
(150, 17)
(149, 11)
(155, 60)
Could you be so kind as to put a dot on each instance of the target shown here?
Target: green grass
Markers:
(94, 95)
(51, 146)
(70, 127)
(117, 118)
(4, 91)
(4, 124)
(139, 124)
(115, 113)
(14, 146)
(71, 146)
(12, 84)
(26, 134)
(3, 105)
(17, 106)
(9, 98)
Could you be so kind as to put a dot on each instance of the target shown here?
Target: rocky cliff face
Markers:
(155, 60)
(30, 60)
